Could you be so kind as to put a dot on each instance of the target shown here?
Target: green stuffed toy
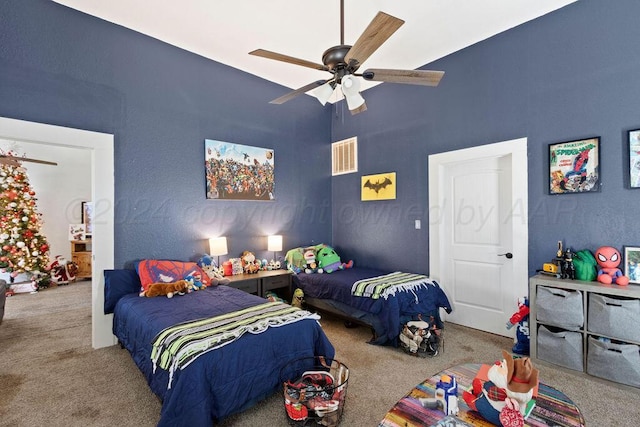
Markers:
(329, 261)
(295, 260)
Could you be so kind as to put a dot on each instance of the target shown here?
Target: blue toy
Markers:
(521, 318)
(195, 281)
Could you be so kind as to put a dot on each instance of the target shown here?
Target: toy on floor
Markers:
(298, 298)
(503, 397)
(447, 394)
(273, 297)
(521, 318)
(169, 289)
(608, 259)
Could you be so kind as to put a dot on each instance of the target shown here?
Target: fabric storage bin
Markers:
(614, 317)
(561, 347)
(614, 362)
(560, 307)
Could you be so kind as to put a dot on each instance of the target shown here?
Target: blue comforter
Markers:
(390, 313)
(221, 382)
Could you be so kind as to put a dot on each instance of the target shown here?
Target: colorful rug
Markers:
(552, 406)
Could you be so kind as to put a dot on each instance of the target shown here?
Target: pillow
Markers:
(118, 283)
(165, 271)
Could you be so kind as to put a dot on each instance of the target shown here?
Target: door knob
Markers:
(509, 255)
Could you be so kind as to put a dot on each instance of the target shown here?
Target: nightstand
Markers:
(278, 281)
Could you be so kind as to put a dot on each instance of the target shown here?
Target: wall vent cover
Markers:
(344, 156)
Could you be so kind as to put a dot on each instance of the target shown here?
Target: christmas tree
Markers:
(22, 248)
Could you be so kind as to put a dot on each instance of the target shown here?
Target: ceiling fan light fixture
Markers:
(351, 91)
(324, 92)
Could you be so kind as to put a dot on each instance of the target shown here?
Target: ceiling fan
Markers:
(7, 159)
(343, 61)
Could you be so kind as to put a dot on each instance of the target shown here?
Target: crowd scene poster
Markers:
(238, 172)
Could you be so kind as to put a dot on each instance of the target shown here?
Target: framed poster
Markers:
(632, 263)
(634, 158)
(238, 172)
(378, 187)
(87, 217)
(574, 166)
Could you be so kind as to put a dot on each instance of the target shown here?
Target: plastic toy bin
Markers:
(315, 389)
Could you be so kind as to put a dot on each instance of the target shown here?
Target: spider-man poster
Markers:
(240, 172)
(574, 166)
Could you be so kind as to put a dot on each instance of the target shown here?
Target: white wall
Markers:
(59, 190)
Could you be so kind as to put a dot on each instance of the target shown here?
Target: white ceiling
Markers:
(226, 31)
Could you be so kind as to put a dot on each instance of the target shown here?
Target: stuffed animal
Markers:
(503, 398)
(249, 264)
(298, 298)
(195, 281)
(310, 261)
(168, 289)
(211, 269)
(608, 259)
(295, 260)
(273, 297)
(329, 260)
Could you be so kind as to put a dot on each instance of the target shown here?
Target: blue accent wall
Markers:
(571, 74)
(568, 75)
(59, 66)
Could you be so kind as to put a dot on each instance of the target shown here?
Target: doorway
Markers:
(102, 192)
(478, 231)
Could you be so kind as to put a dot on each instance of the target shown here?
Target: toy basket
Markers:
(315, 389)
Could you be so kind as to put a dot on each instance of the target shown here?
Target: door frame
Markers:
(517, 148)
(102, 192)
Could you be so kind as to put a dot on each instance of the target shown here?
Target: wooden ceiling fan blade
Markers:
(414, 77)
(288, 59)
(11, 160)
(286, 97)
(378, 31)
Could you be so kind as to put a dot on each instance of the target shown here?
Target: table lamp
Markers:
(274, 244)
(217, 247)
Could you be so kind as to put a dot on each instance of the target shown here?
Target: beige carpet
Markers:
(50, 375)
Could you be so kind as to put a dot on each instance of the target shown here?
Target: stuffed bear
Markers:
(168, 289)
(329, 260)
(608, 259)
(503, 398)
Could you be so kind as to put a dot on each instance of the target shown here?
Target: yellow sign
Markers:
(379, 187)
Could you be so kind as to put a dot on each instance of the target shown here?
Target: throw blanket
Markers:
(179, 345)
(389, 284)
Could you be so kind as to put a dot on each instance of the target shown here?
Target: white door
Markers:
(478, 238)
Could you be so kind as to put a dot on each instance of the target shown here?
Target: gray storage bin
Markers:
(614, 317)
(560, 307)
(614, 362)
(562, 348)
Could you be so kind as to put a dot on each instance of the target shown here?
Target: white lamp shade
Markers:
(323, 93)
(274, 243)
(218, 246)
(351, 91)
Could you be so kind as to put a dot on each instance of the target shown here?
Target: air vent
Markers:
(344, 156)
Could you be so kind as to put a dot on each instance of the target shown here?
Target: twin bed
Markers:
(205, 379)
(229, 379)
(410, 296)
